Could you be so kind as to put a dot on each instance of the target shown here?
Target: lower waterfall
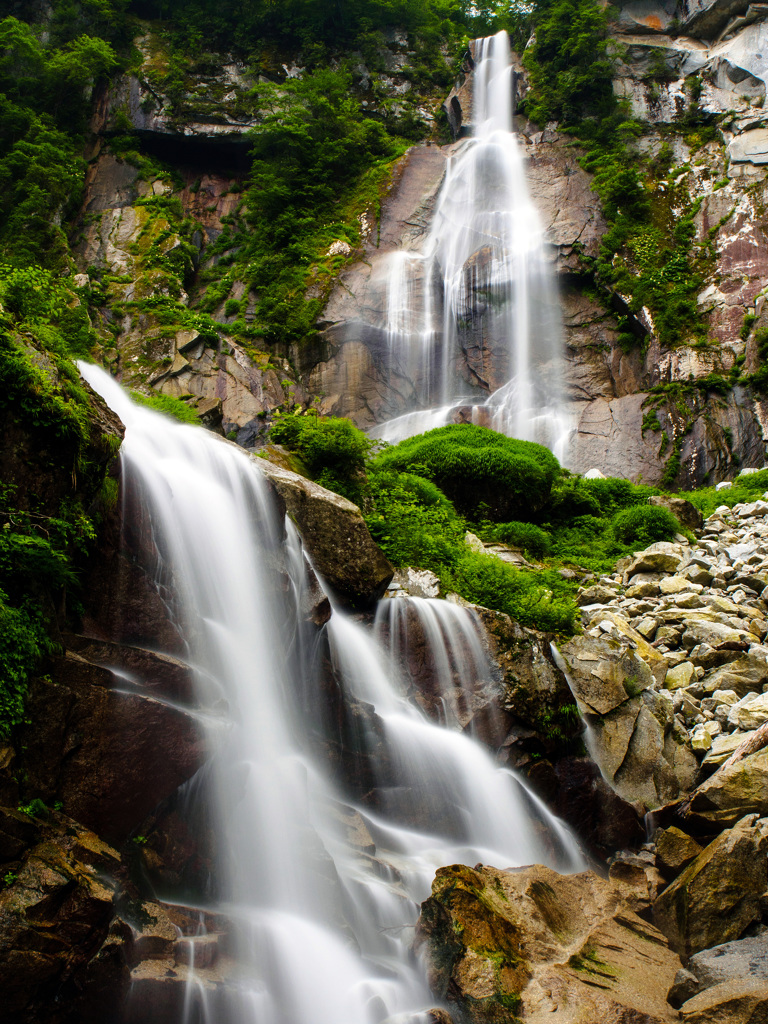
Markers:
(320, 927)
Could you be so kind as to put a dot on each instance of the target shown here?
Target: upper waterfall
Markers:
(483, 269)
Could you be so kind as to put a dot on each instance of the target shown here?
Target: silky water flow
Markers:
(321, 925)
(483, 270)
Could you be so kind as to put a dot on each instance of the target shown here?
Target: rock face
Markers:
(718, 894)
(57, 909)
(97, 749)
(531, 944)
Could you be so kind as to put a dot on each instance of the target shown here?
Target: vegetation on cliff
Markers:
(648, 255)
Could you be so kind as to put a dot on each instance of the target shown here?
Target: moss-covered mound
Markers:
(481, 471)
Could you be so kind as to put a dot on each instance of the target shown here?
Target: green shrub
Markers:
(644, 525)
(536, 599)
(532, 539)
(413, 521)
(23, 642)
(333, 451)
(484, 473)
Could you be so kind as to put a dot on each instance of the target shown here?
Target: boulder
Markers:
(675, 851)
(534, 944)
(335, 537)
(631, 731)
(603, 673)
(743, 960)
(717, 635)
(597, 594)
(718, 894)
(680, 676)
(749, 713)
(746, 674)
(660, 557)
(732, 1002)
(684, 511)
(735, 790)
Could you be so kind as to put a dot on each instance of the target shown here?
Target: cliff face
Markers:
(695, 79)
(714, 70)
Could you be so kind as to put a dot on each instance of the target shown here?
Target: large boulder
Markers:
(632, 733)
(735, 790)
(718, 895)
(685, 512)
(533, 944)
(335, 537)
(732, 1002)
(742, 960)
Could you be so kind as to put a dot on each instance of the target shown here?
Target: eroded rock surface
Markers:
(533, 944)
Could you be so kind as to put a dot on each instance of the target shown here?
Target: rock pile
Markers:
(693, 617)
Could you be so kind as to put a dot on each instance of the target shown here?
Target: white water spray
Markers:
(483, 271)
(321, 926)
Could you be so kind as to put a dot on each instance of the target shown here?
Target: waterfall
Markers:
(320, 925)
(483, 271)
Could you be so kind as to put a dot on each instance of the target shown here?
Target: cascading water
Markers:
(320, 925)
(483, 270)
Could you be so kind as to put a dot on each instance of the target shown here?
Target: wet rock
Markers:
(157, 674)
(575, 790)
(718, 894)
(52, 916)
(335, 537)
(17, 832)
(533, 689)
(532, 942)
(108, 756)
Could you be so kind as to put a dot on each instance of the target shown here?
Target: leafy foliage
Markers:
(644, 525)
(480, 470)
(333, 451)
(647, 252)
(43, 109)
(532, 539)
